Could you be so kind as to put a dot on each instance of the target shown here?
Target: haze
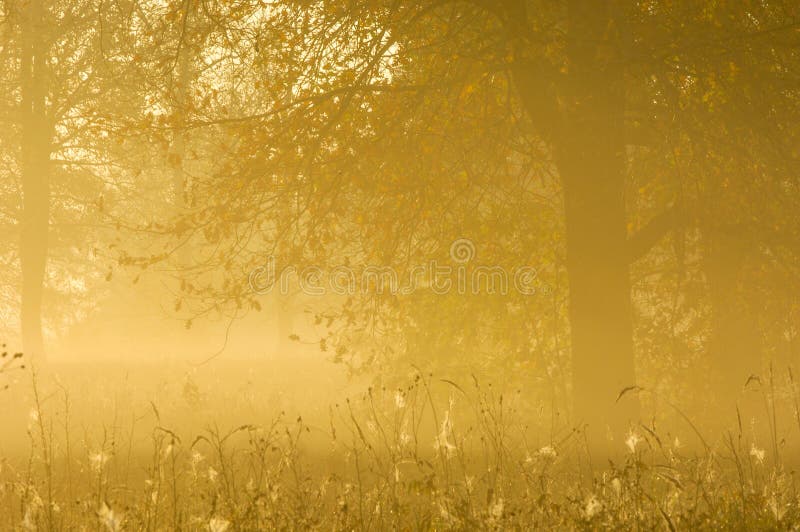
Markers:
(375, 264)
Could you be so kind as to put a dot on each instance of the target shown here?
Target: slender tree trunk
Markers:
(35, 214)
(182, 73)
(182, 80)
(590, 155)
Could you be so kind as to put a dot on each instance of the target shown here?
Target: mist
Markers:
(399, 265)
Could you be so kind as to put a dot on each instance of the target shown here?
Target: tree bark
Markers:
(735, 343)
(580, 110)
(182, 76)
(34, 220)
(590, 155)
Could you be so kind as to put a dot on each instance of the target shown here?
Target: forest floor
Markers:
(80, 451)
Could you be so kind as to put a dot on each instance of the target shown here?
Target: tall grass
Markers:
(428, 456)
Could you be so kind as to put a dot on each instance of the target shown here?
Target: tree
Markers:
(36, 141)
(377, 132)
(69, 62)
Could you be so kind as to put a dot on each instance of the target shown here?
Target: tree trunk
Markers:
(735, 343)
(182, 80)
(581, 112)
(590, 155)
(35, 214)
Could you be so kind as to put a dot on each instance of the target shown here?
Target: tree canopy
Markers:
(635, 159)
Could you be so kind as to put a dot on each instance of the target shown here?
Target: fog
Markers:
(399, 265)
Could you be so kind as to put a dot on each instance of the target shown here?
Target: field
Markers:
(82, 453)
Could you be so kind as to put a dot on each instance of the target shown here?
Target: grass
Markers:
(429, 456)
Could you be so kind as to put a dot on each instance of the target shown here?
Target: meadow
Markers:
(215, 451)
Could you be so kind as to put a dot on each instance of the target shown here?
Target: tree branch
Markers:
(648, 236)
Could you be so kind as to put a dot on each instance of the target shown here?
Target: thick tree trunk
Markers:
(581, 112)
(735, 343)
(35, 214)
(590, 155)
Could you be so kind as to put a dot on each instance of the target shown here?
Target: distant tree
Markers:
(68, 70)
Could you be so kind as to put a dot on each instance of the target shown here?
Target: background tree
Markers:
(593, 91)
(70, 67)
